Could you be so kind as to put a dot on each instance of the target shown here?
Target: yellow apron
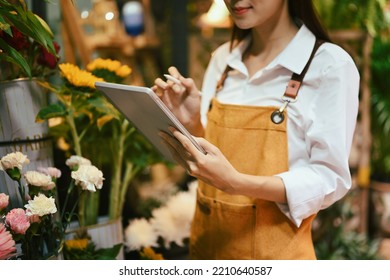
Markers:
(239, 227)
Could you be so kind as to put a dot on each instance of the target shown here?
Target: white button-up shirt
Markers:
(320, 123)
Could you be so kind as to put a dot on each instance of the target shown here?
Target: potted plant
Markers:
(380, 127)
(27, 44)
(349, 20)
(40, 225)
(87, 125)
(28, 55)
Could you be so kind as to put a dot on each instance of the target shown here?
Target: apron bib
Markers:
(239, 227)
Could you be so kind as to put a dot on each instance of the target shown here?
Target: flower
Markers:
(38, 179)
(12, 160)
(78, 77)
(78, 244)
(13, 163)
(166, 226)
(140, 234)
(91, 122)
(75, 161)
(112, 70)
(4, 200)
(41, 206)
(18, 221)
(149, 254)
(88, 177)
(182, 206)
(169, 223)
(27, 45)
(53, 172)
(7, 244)
(40, 232)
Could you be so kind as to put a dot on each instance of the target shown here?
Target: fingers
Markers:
(174, 72)
(166, 85)
(160, 83)
(188, 146)
(176, 149)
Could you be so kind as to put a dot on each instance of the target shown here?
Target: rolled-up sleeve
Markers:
(329, 130)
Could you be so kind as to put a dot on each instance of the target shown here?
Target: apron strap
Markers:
(295, 82)
(293, 85)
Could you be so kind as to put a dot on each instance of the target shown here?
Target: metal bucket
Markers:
(20, 102)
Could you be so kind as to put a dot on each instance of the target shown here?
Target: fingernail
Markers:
(176, 87)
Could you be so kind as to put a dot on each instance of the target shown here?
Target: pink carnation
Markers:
(51, 171)
(4, 200)
(18, 221)
(7, 244)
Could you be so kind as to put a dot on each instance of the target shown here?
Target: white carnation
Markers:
(75, 161)
(168, 227)
(182, 206)
(41, 205)
(12, 160)
(88, 177)
(139, 233)
(38, 179)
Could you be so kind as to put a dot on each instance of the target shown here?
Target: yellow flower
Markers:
(149, 254)
(111, 65)
(76, 244)
(78, 77)
(123, 71)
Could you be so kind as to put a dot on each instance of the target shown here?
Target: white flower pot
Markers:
(105, 234)
(20, 102)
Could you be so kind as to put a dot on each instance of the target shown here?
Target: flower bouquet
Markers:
(40, 226)
(27, 46)
(84, 123)
(168, 226)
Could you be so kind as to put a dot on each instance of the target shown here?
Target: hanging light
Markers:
(216, 17)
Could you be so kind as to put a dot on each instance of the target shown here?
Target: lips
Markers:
(240, 10)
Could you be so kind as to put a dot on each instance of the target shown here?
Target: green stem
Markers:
(130, 172)
(68, 193)
(22, 192)
(83, 198)
(73, 130)
(70, 214)
(117, 172)
(91, 212)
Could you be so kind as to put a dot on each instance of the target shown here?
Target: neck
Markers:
(267, 42)
(272, 37)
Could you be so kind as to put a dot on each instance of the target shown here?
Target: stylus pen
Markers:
(172, 79)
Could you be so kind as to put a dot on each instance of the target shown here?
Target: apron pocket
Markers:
(223, 230)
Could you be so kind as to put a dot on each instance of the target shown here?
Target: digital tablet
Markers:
(145, 110)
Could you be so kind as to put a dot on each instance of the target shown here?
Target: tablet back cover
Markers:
(142, 108)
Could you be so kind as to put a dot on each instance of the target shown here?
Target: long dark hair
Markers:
(303, 10)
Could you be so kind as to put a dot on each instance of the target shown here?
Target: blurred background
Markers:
(151, 35)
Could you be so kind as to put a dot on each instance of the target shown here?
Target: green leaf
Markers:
(51, 111)
(14, 57)
(27, 23)
(5, 26)
(14, 173)
(108, 253)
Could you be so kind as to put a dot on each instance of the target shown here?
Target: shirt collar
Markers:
(294, 57)
(234, 59)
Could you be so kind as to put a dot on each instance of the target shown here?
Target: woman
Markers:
(276, 148)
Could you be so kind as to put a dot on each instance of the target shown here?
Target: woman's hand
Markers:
(182, 99)
(212, 168)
